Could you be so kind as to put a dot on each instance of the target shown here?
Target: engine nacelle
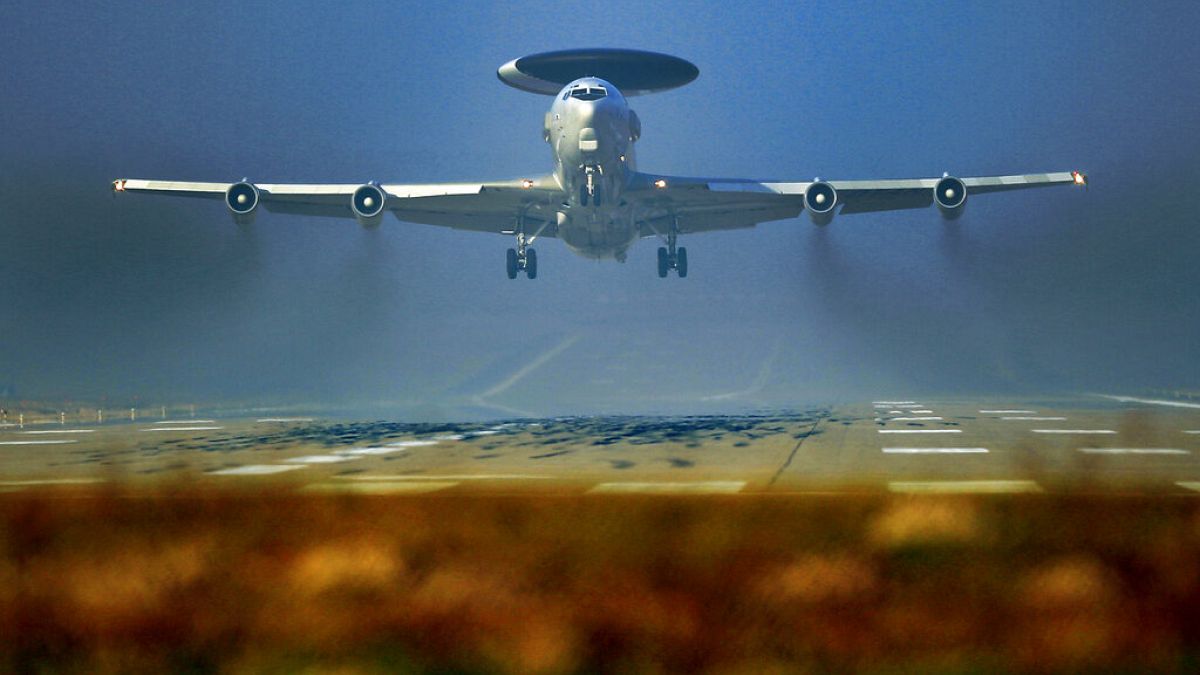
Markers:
(242, 200)
(819, 200)
(367, 204)
(950, 195)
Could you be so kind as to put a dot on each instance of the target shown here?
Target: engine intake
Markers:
(819, 200)
(950, 195)
(242, 200)
(367, 204)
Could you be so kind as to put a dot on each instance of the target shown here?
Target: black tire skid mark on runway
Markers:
(792, 455)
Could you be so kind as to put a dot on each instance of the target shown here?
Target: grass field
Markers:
(174, 579)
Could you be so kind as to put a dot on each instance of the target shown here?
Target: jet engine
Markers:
(367, 204)
(819, 200)
(242, 200)
(950, 195)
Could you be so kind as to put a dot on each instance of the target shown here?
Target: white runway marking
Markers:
(6, 425)
(182, 429)
(1152, 401)
(908, 405)
(58, 442)
(920, 431)
(1194, 431)
(256, 470)
(485, 432)
(934, 451)
(1007, 412)
(451, 437)
(1073, 431)
(1134, 451)
(284, 419)
(908, 419)
(920, 412)
(1035, 419)
(702, 487)
(411, 444)
(1189, 484)
(62, 431)
(965, 486)
(320, 459)
(185, 422)
(455, 477)
(892, 403)
(413, 487)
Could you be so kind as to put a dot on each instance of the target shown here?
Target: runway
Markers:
(897, 445)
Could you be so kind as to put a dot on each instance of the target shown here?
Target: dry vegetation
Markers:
(275, 581)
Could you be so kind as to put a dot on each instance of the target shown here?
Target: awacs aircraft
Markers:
(595, 200)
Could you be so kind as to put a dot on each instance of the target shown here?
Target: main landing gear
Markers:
(522, 258)
(671, 258)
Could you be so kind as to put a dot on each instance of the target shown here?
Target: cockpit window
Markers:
(588, 93)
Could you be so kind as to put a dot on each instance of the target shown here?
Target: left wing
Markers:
(706, 204)
(498, 206)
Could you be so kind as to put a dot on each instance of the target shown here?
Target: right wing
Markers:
(498, 206)
(707, 204)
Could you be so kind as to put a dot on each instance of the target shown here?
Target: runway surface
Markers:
(892, 444)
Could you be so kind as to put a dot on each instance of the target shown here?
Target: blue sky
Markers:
(1046, 291)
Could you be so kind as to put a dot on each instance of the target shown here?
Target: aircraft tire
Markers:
(681, 262)
(512, 263)
(531, 263)
(663, 263)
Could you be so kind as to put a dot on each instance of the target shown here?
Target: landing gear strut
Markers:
(672, 258)
(522, 258)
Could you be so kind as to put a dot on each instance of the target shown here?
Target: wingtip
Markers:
(1080, 178)
(118, 185)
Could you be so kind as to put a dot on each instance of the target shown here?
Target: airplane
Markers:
(595, 200)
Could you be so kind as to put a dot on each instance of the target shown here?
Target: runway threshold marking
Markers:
(1134, 451)
(701, 487)
(920, 412)
(54, 442)
(62, 431)
(1034, 419)
(920, 431)
(965, 487)
(186, 422)
(389, 487)
(934, 451)
(1007, 412)
(256, 470)
(1073, 431)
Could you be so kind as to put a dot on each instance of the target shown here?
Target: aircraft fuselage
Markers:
(591, 131)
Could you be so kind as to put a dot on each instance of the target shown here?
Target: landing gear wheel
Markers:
(681, 262)
(664, 262)
(513, 266)
(531, 263)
